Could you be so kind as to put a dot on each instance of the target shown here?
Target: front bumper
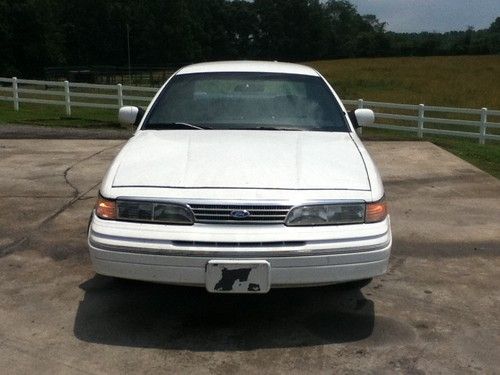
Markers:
(298, 256)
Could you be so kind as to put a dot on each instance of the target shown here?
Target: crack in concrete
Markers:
(76, 196)
(68, 182)
(76, 192)
(67, 205)
(12, 246)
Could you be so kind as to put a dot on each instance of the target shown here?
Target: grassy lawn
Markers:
(454, 81)
(485, 157)
(55, 116)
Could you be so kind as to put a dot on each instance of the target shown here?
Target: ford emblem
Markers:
(240, 214)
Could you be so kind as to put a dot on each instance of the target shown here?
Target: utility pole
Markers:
(128, 52)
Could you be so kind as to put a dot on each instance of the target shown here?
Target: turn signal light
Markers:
(105, 208)
(376, 211)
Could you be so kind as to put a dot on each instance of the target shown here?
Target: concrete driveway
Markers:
(436, 310)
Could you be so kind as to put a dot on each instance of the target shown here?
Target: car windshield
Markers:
(266, 101)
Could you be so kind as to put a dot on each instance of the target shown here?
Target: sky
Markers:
(431, 15)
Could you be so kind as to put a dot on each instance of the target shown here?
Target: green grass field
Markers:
(55, 116)
(454, 81)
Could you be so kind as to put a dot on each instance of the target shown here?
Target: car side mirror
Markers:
(362, 117)
(130, 115)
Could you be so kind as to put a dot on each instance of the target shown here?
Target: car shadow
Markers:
(138, 314)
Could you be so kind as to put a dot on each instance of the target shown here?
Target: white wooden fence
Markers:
(419, 119)
(71, 94)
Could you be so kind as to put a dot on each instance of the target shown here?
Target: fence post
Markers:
(420, 125)
(67, 99)
(15, 93)
(360, 106)
(120, 95)
(482, 127)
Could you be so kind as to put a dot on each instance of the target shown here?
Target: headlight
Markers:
(174, 214)
(165, 213)
(327, 214)
(336, 214)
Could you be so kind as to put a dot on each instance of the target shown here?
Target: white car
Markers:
(242, 176)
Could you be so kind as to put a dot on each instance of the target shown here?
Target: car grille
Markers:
(257, 214)
(233, 245)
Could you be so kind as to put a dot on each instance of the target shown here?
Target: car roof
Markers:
(249, 66)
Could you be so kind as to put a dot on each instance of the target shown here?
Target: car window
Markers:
(248, 101)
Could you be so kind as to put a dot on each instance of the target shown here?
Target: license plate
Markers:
(238, 276)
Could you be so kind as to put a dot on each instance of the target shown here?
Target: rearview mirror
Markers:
(362, 117)
(130, 115)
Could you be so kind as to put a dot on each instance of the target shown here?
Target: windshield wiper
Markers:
(273, 128)
(175, 125)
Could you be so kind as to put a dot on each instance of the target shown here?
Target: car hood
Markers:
(241, 159)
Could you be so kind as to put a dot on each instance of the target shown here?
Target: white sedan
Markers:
(242, 176)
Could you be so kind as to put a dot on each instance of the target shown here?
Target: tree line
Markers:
(39, 33)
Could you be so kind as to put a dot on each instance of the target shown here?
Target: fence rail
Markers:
(416, 119)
